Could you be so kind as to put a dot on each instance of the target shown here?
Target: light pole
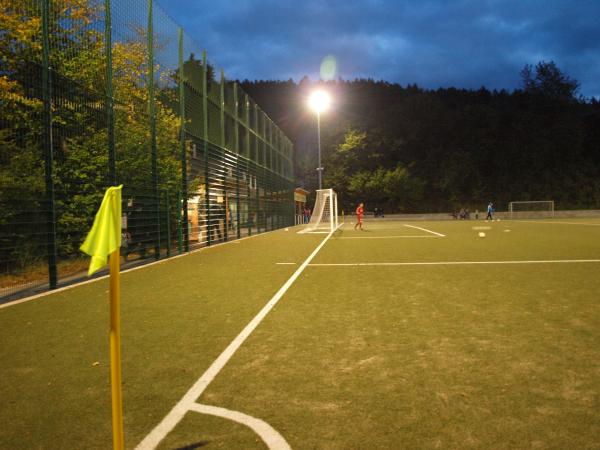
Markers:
(319, 102)
(320, 168)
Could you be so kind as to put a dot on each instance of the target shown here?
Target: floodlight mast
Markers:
(320, 168)
(319, 102)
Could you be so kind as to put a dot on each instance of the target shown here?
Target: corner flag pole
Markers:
(115, 350)
(103, 241)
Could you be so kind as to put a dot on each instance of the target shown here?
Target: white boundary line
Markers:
(383, 237)
(559, 223)
(455, 263)
(188, 401)
(267, 433)
(141, 266)
(425, 229)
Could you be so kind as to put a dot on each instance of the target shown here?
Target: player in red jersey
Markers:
(359, 216)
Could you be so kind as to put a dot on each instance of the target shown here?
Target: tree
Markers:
(460, 148)
(547, 80)
(80, 172)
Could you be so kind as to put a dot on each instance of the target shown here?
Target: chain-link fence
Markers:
(96, 93)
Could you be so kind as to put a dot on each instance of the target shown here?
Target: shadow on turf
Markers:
(193, 446)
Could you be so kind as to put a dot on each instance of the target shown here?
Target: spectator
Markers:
(490, 211)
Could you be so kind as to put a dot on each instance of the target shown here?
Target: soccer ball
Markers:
(287, 229)
(481, 234)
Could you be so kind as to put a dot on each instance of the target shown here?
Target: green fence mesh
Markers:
(95, 93)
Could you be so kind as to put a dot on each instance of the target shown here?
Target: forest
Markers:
(409, 149)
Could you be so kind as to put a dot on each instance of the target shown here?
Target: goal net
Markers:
(531, 209)
(324, 218)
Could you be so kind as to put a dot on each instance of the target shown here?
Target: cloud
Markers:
(434, 43)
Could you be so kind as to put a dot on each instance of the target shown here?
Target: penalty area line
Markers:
(455, 263)
(552, 222)
(382, 237)
(425, 229)
(188, 401)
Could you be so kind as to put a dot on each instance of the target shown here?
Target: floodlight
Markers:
(319, 101)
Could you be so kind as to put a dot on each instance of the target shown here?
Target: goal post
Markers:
(324, 218)
(536, 209)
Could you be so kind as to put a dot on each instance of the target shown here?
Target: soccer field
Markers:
(405, 335)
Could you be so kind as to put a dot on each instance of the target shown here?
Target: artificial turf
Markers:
(433, 356)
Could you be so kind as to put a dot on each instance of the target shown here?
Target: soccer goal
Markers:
(324, 218)
(531, 209)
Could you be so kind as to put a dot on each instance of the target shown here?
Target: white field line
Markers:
(142, 266)
(455, 263)
(267, 433)
(383, 237)
(286, 264)
(188, 401)
(425, 229)
(559, 223)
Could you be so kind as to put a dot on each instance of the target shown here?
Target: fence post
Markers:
(152, 114)
(247, 119)
(47, 146)
(257, 161)
(206, 147)
(278, 204)
(183, 193)
(110, 118)
(267, 197)
(247, 155)
(257, 200)
(168, 216)
(225, 205)
(248, 199)
(179, 224)
(271, 147)
(222, 109)
(267, 175)
(222, 159)
(237, 159)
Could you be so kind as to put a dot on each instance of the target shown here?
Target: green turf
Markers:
(437, 356)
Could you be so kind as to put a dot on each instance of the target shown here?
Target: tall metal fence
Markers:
(96, 93)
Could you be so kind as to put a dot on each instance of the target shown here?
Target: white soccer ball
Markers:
(481, 234)
(287, 229)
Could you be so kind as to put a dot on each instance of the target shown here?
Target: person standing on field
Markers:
(490, 210)
(359, 216)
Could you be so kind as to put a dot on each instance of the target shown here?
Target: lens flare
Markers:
(328, 68)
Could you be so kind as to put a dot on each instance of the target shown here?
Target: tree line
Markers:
(409, 149)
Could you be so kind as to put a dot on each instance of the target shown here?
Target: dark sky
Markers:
(434, 43)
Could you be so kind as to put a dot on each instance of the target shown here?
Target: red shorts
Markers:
(359, 218)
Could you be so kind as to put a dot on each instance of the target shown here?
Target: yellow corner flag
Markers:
(104, 239)
(105, 235)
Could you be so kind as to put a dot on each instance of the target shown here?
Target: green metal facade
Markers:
(111, 92)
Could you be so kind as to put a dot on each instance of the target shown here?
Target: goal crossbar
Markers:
(531, 209)
(325, 213)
